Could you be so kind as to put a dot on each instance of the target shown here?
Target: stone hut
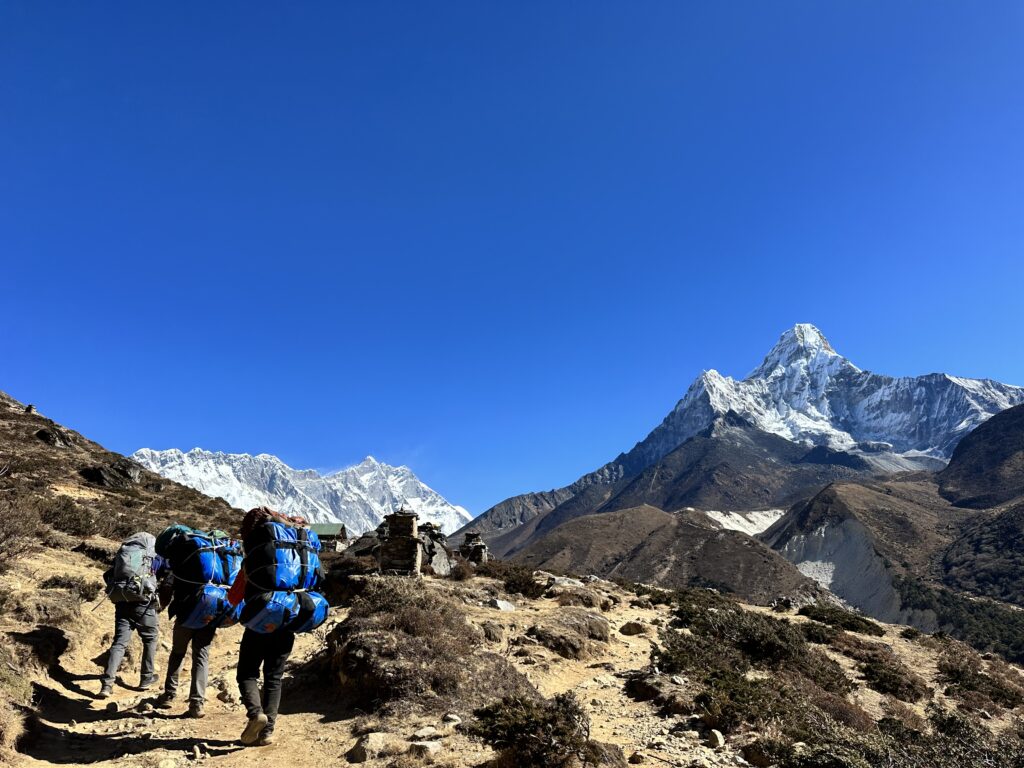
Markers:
(474, 548)
(400, 549)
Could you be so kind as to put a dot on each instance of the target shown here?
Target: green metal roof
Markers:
(327, 529)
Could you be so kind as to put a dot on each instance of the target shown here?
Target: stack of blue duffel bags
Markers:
(282, 569)
(282, 572)
(209, 561)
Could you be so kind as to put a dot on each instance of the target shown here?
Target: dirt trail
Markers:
(76, 729)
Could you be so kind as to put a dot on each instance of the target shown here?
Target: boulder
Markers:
(571, 632)
(631, 628)
(501, 605)
(425, 749)
(374, 745)
(714, 739)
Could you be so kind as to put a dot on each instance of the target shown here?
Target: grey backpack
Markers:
(131, 578)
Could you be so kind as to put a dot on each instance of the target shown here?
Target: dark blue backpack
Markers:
(282, 566)
(208, 561)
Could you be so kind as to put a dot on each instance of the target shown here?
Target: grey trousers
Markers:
(180, 639)
(128, 619)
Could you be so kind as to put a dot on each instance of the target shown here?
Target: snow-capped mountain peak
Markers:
(359, 496)
(802, 347)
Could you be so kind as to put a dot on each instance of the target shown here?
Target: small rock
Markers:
(169, 762)
(637, 758)
(451, 719)
(372, 746)
(501, 605)
(493, 632)
(427, 733)
(227, 696)
(144, 706)
(714, 739)
(425, 748)
(112, 707)
(633, 628)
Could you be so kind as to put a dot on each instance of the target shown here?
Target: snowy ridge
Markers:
(807, 392)
(750, 523)
(358, 496)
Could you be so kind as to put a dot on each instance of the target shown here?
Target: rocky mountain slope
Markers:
(71, 481)
(358, 496)
(730, 466)
(987, 467)
(901, 550)
(673, 550)
(807, 393)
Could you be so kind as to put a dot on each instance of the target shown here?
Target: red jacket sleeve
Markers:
(237, 592)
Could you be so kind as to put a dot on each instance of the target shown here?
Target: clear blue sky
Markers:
(495, 241)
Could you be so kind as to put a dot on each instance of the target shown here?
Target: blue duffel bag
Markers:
(212, 609)
(269, 611)
(313, 610)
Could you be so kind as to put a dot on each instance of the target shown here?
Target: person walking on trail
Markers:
(180, 597)
(132, 585)
(280, 569)
(203, 565)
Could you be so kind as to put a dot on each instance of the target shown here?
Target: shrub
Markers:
(822, 634)
(890, 675)
(67, 516)
(85, 590)
(406, 646)
(882, 669)
(461, 571)
(838, 617)
(537, 733)
(19, 525)
(965, 672)
(729, 700)
(519, 580)
(762, 641)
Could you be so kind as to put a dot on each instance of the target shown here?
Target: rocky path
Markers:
(76, 729)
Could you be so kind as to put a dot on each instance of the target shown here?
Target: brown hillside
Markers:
(672, 550)
(78, 486)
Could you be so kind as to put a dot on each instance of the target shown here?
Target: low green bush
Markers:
(837, 617)
(539, 733)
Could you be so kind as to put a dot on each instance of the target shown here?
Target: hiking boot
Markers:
(164, 701)
(105, 690)
(253, 729)
(146, 683)
(195, 710)
(265, 739)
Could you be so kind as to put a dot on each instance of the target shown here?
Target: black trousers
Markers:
(271, 651)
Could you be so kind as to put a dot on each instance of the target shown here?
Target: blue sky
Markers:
(495, 241)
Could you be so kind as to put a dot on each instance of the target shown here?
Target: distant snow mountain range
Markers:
(806, 392)
(358, 496)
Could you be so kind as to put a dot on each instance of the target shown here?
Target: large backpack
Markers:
(282, 568)
(208, 561)
(130, 579)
